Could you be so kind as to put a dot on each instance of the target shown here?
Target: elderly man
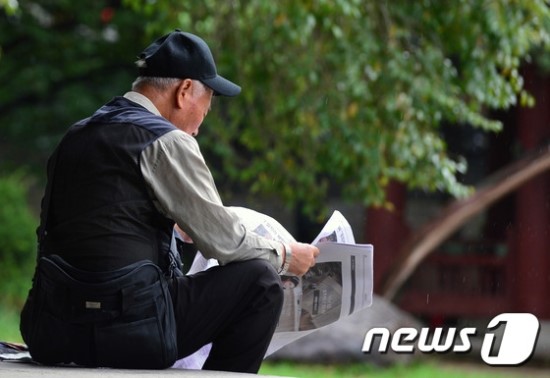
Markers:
(120, 181)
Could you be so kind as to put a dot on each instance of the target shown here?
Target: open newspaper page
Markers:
(337, 229)
(339, 284)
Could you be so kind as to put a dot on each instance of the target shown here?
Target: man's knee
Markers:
(268, 282)
(267, 275)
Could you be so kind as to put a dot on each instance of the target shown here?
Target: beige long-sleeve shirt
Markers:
(183, 189)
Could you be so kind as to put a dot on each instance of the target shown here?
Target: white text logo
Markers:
(513, 347)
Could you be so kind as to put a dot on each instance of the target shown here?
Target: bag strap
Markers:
(42, 231)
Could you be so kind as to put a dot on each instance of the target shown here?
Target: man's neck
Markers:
(143, 100)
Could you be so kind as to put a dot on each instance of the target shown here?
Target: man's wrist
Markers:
(287, 258)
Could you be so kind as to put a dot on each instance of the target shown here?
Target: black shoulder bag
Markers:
(122, 318)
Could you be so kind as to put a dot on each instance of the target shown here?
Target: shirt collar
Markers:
(142, 100)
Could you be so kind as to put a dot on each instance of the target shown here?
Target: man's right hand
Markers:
(303, 258)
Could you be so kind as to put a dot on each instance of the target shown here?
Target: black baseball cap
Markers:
(186, 56)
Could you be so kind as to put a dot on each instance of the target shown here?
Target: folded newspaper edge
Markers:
(340, 283)
(14, 352)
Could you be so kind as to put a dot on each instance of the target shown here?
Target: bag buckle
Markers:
(92, 305)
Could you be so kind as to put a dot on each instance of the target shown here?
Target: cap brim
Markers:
(222, 87)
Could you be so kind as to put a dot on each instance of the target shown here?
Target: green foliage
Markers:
(9, 6)
(17, 240)
(352, 93)
(340, 95)
(59, 61)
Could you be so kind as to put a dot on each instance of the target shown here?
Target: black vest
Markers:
(101, 216)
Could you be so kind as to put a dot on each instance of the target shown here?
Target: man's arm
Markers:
(183, 189)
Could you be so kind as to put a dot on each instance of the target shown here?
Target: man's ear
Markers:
(183, 90)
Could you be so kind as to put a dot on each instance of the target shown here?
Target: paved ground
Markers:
(24, 370)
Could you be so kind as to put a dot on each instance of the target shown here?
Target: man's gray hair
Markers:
(161, 83)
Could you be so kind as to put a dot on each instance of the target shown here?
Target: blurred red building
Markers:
(499, 261)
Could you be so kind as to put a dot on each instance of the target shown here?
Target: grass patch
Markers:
(9, 325)
(420, 369)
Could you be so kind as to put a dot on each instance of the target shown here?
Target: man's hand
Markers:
(303, 258)
(183, 235)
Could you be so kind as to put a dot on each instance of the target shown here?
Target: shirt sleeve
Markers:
(183, 189)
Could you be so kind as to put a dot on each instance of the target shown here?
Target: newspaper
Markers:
(339, 284)
(14, 352)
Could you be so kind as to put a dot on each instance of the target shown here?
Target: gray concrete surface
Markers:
(26, 370)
